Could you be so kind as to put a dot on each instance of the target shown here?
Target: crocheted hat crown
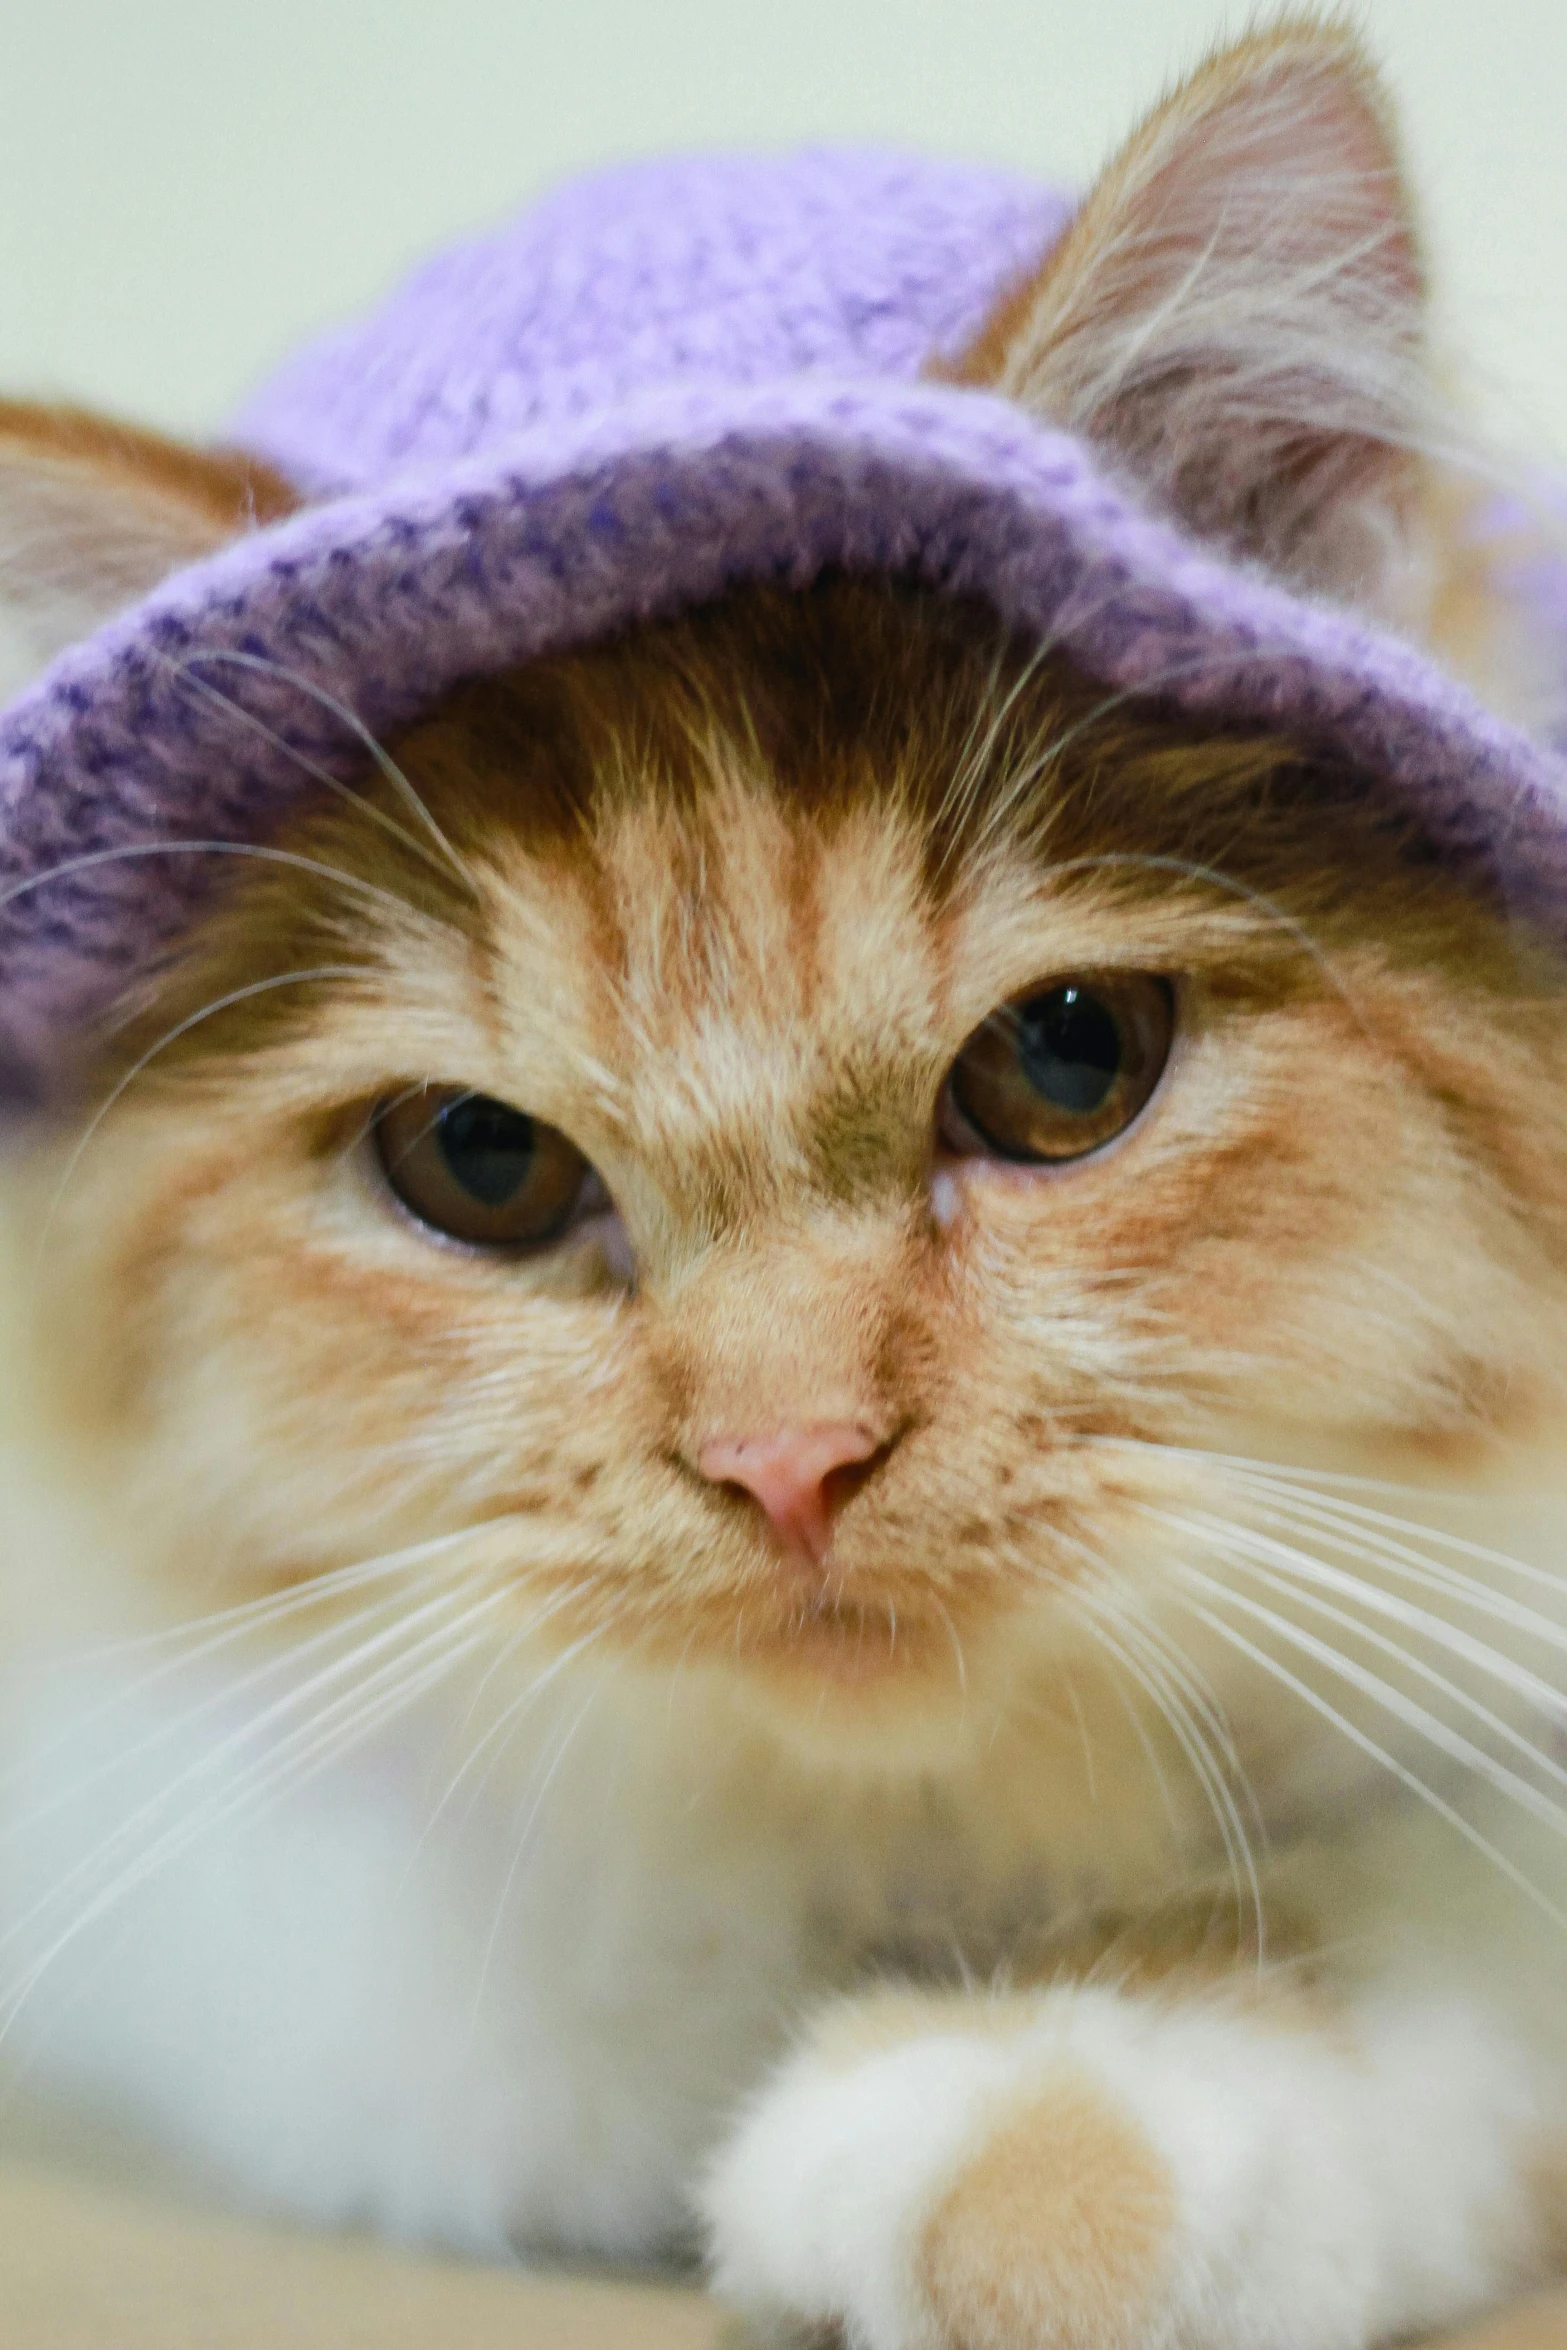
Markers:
(705, 271)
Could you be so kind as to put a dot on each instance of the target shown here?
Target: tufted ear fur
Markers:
(94, 514)
(1237, 316)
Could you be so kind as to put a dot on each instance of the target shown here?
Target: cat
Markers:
(783, 1446)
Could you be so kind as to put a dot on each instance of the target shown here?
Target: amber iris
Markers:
(1061, 1071)
(478, 1170)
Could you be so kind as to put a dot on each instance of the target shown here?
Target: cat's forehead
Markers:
(738, 912)
(707, 969)
(737, 905)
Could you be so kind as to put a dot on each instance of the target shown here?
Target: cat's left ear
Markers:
(93, 514)
(1237, 317)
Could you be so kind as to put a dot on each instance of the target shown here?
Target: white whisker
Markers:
(1288, 1583)
(500, 1731)
(1448, 1742)
(138, 1068)
(1157, 1674)
(207, 1636)
(535, 1807)
(244, 1736)
(257, 851)
(1406, 1613)
(314, 1744)
(1378, 1754)
(347, 718)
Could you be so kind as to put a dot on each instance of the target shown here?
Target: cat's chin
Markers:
(847, 1691)
(887, 1727)
(847, 1649)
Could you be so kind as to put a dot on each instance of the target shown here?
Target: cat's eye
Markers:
(480, 1171)
(1062, 1071)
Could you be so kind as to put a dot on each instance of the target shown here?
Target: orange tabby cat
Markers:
(785, 1448)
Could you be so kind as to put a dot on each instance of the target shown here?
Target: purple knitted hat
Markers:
(658, 384)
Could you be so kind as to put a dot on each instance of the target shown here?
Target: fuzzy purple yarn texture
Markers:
(658, 384)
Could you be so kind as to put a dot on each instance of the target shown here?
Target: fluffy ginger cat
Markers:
(784, 1448)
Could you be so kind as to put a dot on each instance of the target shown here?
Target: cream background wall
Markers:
(189, 186)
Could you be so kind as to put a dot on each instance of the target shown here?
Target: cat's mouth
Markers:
(837, 1640)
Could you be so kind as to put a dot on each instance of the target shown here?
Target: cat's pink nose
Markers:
(796, 1475)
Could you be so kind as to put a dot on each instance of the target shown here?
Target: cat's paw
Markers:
(1077, 2169)
(898, 2188)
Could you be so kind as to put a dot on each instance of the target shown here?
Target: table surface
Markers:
(90, 2266)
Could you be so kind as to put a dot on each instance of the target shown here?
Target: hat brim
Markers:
(199, 716)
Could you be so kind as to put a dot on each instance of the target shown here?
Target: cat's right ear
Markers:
(1236, 317)
(94, 514)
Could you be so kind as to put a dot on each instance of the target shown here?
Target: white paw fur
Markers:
(1080, 2170)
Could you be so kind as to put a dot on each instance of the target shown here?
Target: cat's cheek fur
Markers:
(1082, 2169)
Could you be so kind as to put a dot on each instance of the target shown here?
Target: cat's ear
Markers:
(1237, 316)
(94, 514)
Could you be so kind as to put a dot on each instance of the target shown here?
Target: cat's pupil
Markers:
(1069, 1047)
(488, 1148)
